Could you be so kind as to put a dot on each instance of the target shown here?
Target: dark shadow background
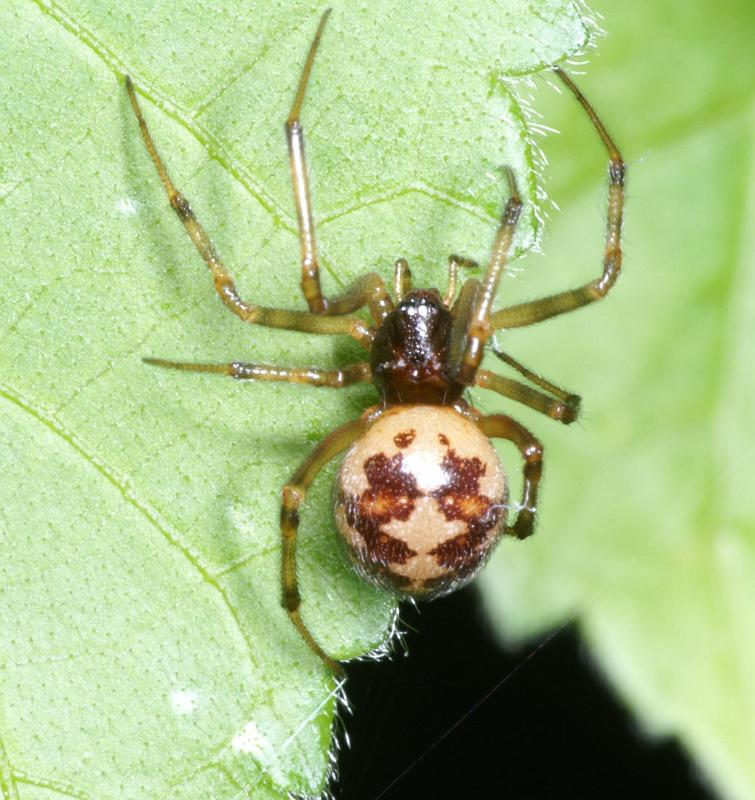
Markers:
(552, 729)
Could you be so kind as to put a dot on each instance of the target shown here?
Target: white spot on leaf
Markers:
(183, 701)
(127, 206)
(251, 740)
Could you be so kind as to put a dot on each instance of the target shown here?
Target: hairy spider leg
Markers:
(310, 267)
(402, 279)
(479, 329)
(461, 311)
(224, 284)
(563, 406)
(244, 371)
(521, 393)
(454, 262)
(368, 290)
(294, 494)
(499, 426)
(546, 307)
(572, 400)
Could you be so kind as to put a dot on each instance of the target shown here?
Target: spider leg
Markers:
(224, 284)
(498, 426)
(461, 312)
(538, 380)
(310, 276)
(368, 290)
(402, 279)
(521, 393)
(243, 371)
(454, 262)
(480, 328)
(564, 408)
(546, 307)
(294, 494)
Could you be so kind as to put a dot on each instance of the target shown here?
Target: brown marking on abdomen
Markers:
(421, 519)
(405, 438)
(391, 496)
(459, 498)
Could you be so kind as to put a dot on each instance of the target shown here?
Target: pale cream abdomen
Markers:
(421, 500)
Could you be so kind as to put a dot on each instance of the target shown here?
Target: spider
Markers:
(421, 496)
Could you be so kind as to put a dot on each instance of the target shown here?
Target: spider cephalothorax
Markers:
(422, 497)
(410, 355)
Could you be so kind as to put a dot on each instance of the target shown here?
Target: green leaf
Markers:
(647, 532)
(144, 653)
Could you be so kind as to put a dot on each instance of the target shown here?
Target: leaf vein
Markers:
(151, 515)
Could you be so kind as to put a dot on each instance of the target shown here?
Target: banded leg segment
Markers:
(243, 371)
(461, 311)
(546, 307)
(498, 426)
(224, 284)
(310, 267)
(538, 380)
(454, 262)
(402, 279)
(564, 408)
(367, 290)
(480, 328)
(294, 494)
(521, 393)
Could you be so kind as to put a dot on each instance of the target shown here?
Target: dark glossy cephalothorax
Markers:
(422, 498)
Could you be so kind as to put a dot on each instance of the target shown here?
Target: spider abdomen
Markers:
(421, 500)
